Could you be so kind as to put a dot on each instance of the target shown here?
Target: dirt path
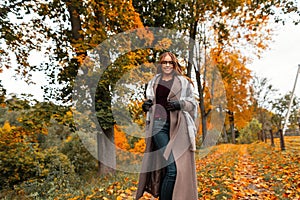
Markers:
(247, 183)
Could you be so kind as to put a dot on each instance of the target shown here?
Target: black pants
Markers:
(161, 138)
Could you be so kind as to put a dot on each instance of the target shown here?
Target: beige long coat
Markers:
(186, 183)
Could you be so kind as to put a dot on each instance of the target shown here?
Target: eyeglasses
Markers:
(166, 62)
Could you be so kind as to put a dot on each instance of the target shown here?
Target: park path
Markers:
(247, 183)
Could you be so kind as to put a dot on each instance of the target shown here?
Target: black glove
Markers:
(147, 105)
(173, 105)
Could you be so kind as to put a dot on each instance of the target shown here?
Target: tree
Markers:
(236, 78)
(67, 31)
(77, 28)
(2, 94)
(263, 93)
(27, 153)
(248, 134)
(280, 108)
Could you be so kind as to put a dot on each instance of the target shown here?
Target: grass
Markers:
(227, 171)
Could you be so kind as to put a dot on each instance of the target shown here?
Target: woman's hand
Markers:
(173, 105)
(147, 105)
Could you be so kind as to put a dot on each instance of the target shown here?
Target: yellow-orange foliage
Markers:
(6, 127)
(139, 146)
(236, 79)
(122, 142)
(120, 139)
(11, 134)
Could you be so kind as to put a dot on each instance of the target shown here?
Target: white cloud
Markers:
(280, 64)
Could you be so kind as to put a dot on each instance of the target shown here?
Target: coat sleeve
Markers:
(188, 102)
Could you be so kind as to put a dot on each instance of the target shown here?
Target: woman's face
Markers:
(167, 65)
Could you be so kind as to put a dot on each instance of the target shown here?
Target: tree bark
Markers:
(264, 136)
(282, 145)
(225, 134)
(258, 135)
(193, 31)
(272, 138)
(231, 122)
(106, 152)
(105, 139)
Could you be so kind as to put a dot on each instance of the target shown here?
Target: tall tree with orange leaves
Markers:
(236, 32)
(234, 27)
(236, 78)
(91, 26)
(66, 32)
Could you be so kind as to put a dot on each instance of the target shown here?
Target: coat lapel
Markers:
(175, 90)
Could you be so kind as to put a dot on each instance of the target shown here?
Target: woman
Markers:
(168, 168)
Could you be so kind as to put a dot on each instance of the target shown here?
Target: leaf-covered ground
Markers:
(227, 171)
(255, 171)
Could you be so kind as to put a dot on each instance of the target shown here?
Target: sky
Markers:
(18, 87)
(279, 65)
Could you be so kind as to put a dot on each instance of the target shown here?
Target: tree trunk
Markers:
(282, 145)
(193, 31)
(202, 107)
(264, 136)
(204, 125)
(225, 134)
(106, 152)
(261, 136)
(74, 7)
(258, 135)
(105, 139)
(272, 138)
(231, 122)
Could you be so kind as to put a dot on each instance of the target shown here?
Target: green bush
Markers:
(249, 133)
(79, 156)
(54, 173)
(17, 163)
(35, 172)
